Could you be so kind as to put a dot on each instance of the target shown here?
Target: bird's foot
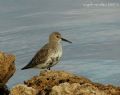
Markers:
(43, 71)
(48, 68)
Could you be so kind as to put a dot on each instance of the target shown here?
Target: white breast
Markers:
(58, 51)
(55, 55)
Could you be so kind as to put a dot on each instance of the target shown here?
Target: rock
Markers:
(4, 90)
(22, 89)
(64, 83)
(109, 89)
(7, 66)
(76, 89)
(46, 80)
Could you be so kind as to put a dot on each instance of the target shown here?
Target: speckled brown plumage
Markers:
(49, 54)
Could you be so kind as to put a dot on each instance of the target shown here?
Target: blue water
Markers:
(94, 31)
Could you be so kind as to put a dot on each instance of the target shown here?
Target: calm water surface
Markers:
(94, 31)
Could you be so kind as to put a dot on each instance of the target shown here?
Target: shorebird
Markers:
(49, 55)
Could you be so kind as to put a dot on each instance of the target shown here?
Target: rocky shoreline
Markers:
(62, 83)
(7, 69)
(50, 82)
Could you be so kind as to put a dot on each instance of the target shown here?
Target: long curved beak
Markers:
(63, 39)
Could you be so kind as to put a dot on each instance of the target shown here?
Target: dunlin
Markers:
(49, 55)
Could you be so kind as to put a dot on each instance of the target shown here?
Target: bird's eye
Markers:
(57, 36)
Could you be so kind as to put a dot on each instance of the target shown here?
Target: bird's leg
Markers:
(48, 68)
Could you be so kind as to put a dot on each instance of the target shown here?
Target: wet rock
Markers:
(22, 89)
(7, 67)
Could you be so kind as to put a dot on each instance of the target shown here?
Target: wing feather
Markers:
(39, 58)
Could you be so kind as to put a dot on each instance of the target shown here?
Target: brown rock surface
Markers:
(76, 89)
(64, 83)
(7, 67)
(22, 89)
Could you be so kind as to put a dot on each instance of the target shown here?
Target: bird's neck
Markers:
(54, 44)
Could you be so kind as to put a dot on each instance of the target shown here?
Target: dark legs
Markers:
(48, 68)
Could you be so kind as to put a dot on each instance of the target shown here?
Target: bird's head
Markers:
(56, 37)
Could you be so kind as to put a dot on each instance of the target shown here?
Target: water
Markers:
(94, 31)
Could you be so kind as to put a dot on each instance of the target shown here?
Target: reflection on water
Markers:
(95, 33)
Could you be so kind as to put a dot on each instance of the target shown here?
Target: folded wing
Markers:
(40, 57)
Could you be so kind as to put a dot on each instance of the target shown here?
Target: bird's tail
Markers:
(29, 65)
(26, 67)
